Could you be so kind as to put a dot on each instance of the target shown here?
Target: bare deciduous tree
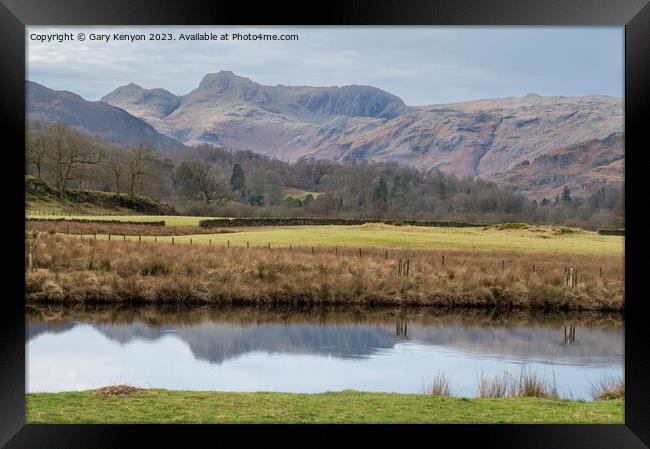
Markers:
(67, 152)
(138, 159)
(199, 183)
(116, 168)
(35, 150)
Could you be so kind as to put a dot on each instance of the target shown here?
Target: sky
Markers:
(421, 65)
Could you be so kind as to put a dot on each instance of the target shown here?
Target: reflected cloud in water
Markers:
(244, 350)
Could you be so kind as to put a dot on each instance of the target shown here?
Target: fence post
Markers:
(124, 237)
(29, 257)
(269, 245)
(386, 255)
(155, 239)
(408, 267)
(228, 243)
(600, 272)
(247, 245)
(443, 260)
(109, 237)
(312, 250)
(210, 242)
(172, 240)
(336, 251)
(572, 277)
(533, 268)
(359, 252)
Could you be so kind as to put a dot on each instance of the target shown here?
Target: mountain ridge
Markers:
(487, 138)
(95, 117)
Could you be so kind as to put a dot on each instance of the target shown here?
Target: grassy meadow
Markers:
(292, 192)
(164, 406)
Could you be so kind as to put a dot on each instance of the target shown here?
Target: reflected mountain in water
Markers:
(222, 335)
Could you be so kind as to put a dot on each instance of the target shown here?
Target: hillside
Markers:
(40, 198)
(486, 138)
(95, 117)
(583, 167)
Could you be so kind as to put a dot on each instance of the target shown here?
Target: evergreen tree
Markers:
(381, 192)
(237, 180)
(566, 194)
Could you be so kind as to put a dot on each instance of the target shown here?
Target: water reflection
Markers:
(350, 344)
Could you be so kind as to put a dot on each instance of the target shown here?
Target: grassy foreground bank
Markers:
(164, 406)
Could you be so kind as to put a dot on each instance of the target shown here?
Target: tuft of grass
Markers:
(532, 385)
(496, 386)
(528, 384)
(608, 388)
(118, 390)
(439, 385)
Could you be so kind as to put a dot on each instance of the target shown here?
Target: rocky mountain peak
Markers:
(223, 80)
(353, 101)
(143, 102)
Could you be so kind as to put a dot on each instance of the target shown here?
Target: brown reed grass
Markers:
(85, 271)
(438, 385)
(529, 384)
(608, 388)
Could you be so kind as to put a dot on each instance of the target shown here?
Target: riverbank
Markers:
(165, 406)
(71, 270)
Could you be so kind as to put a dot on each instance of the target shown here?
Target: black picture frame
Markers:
(633, 14)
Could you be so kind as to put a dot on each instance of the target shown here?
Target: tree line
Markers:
(205, 180)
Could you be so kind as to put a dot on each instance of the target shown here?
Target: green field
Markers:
(292, 192)
(533, 239)
(165, 406)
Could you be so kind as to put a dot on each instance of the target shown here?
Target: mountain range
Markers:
(96, 117)
(533, 144)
